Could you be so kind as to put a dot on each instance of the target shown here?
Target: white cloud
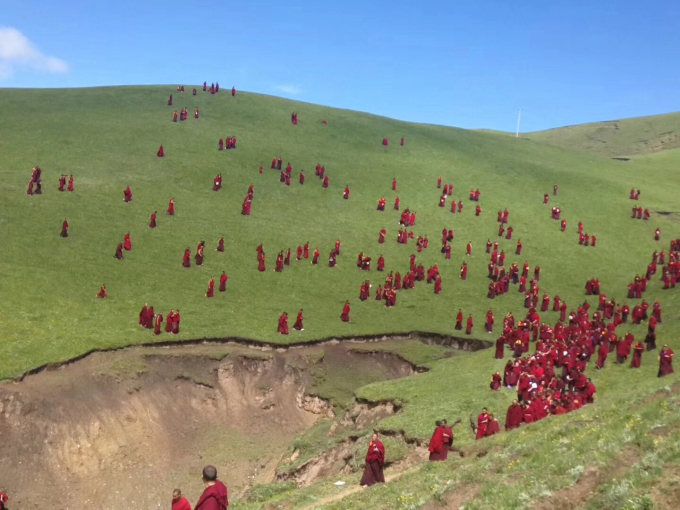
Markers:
(293, 90)
(17, 51)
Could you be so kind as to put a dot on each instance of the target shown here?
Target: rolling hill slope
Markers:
(617, 138)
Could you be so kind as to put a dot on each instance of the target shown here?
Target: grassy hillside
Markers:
(108, 137)
(617, 138)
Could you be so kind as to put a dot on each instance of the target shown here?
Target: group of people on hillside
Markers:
(148, 319)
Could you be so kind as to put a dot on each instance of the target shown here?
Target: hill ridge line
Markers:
(465, 344)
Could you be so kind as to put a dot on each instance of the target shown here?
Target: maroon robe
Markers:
(283, 324)
(375, 458)
(514, 417)
(223, 282)
(436, 447)
(214, 497)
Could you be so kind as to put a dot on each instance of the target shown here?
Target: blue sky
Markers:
(469, 64)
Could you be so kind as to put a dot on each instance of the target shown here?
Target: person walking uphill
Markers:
(214, 496)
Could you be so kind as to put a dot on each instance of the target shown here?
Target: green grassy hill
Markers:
(108, 137)
(617, 138)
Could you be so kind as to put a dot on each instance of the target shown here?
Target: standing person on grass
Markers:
(375, 459)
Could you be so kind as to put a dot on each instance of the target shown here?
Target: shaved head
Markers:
(210, 473)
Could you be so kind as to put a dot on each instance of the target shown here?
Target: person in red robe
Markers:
(223, 281)
(344, 317)
(64, 229)
(198, 258)
(176, 318)
(217, 182)
(127, 242)
(220, 244)
(196, 113)
(302, 177)
(70, 184)
(179, 502)
(459, 320)
(436, 445)
(211, 288)
(283, 324)
(482, 424)
(325, 182)
(158, 323)
(119, 251)
(638, 349)
(215, 495)
(171, 207)
(315, 256)
(381, 236)
(468, 249)
(186, 259)
(127, 194)
(102, 292)
(602, 353)
(496, 381)
(665, 361)
(489, 321)
(375, 459)
(174, 116)
(493, 427)
(514, 417)
(30, 188)
(143, 315)
(402, 141)
(279, 263)
(468, 328)
(160, 152)
(152, 220)
(463, 271)
(345, 194)
(170, 322)
(286, 260)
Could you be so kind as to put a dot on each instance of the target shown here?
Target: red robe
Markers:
(119, 251)
(514, 417)
(375, 459)
(102, 292)
(127, 242)
(152, 221)
(181, 504)
(70, 184)
(186, 259)
(482, 424)
(345, 313)
(283, 324)
(459, 321)
(214, 497)
(469, 326)
(220, 244)
(637, 355)
(171, 207)
(666, 362)
(298, 322)
(158, 324)
(211, 288)
(437, 444)
(223, 282)
(160, 152)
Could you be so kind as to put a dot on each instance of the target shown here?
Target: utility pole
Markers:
(519, 118)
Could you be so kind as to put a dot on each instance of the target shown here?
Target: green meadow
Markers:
(107, 138)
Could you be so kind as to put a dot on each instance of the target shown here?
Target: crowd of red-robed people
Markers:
(542, 388)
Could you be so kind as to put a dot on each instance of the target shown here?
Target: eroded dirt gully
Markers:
(122, 429)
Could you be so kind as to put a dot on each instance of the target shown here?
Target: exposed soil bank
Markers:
(121, 429)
